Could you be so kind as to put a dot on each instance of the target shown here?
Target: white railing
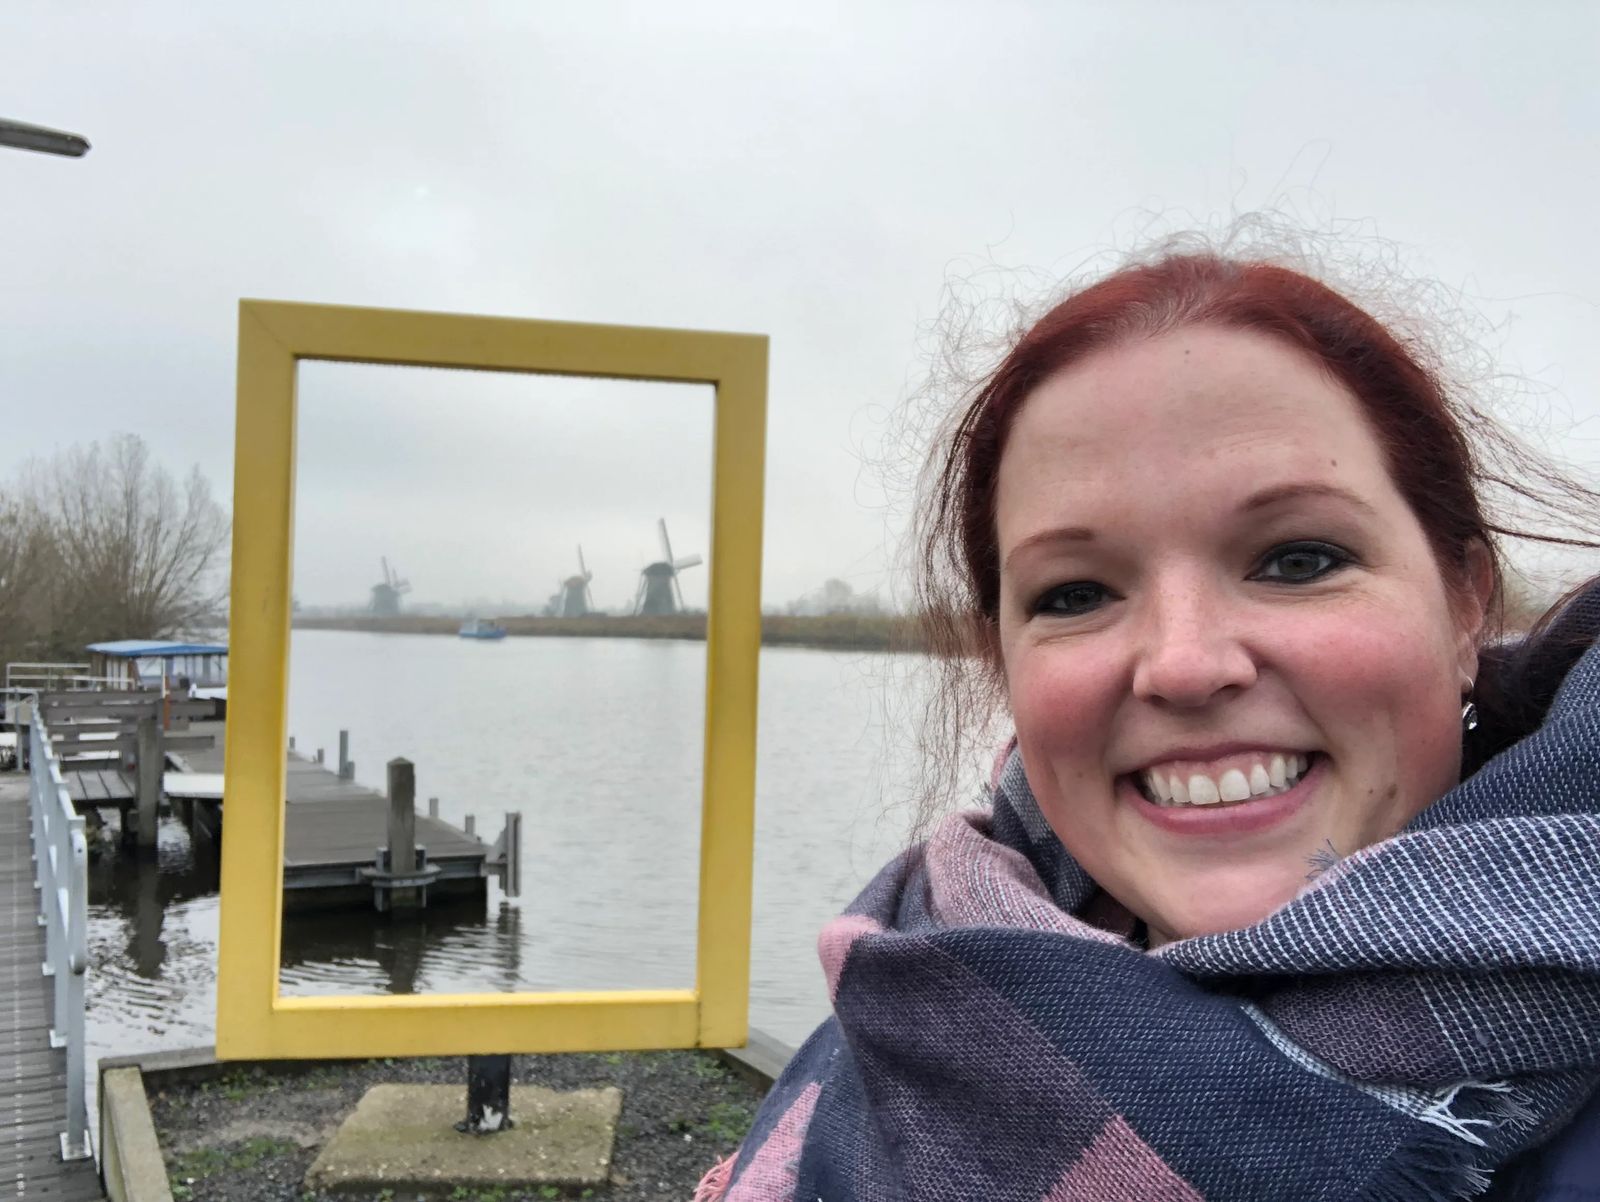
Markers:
(61, 875)
(23, 678)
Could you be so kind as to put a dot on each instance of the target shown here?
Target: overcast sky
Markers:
(818, 173)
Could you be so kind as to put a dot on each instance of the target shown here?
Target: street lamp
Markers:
(37, 137)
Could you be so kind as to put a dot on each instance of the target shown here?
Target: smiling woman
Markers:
(1263, 907)
(1242, 595)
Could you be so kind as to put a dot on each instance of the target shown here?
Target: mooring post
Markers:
(471, 824)
(148, 743)
(403, 858)
(319, 755)
(433, 807)
(488, 1095)
(347, 770)
(402, 817)
(291, 742)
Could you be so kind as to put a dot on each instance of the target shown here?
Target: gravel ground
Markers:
(251, 1134)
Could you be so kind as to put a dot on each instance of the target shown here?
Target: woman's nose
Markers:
(1189, 650)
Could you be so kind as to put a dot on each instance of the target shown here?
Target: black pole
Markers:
(37, 137)
(488, 1095)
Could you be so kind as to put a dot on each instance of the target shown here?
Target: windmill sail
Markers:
(659, 592)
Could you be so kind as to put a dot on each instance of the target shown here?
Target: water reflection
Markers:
(455, 945)
(137, 891)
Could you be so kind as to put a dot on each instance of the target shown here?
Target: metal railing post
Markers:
(61, 859)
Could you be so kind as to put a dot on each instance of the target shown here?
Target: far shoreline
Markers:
(837, 632)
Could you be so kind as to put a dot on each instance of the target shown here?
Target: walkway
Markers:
(33, 1076)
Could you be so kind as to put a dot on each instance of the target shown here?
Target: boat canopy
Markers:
(143, 648)
(142, 663)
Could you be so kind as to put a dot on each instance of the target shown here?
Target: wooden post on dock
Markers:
(149, 768)
(347, 769)
(433, 807)
(403, 832)
(402, 817)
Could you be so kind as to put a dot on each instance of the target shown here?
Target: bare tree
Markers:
(24, 563)
(135, 553)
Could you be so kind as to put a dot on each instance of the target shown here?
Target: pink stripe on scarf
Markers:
(835, 942)
(774, 1170)
(975, 882)
(1120, 1167)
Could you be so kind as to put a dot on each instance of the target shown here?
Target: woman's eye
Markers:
(1070, 600)
(1300, 562)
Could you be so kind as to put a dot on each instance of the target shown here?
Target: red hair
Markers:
(1429, 455)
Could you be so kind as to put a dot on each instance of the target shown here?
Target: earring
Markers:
(1469, 711)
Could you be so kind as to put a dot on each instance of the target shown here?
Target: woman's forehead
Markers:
(1189, 417)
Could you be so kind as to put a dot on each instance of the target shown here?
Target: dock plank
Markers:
(89, 786)
(32, 1074)
(332, 823)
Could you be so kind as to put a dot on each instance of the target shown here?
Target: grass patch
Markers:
(708, 1069)
(727, 1122)
(185, 1170)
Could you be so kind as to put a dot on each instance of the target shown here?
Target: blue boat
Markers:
(482, 628)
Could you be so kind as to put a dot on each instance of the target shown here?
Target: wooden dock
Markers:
(33, 1075)
(332, 830)
(95, 788)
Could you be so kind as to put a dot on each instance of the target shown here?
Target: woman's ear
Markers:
(1472, 606)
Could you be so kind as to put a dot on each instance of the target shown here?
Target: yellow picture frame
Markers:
(253, 1021)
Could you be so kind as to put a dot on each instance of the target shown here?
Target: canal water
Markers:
(598, 742)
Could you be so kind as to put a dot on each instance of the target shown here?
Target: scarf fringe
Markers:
(714, 1185)
(1436, 1167)
(1503, 1108)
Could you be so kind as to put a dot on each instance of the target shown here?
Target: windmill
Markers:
(386, 593)
(658, 582)
(575, 599)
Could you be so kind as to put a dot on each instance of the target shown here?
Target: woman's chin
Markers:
(1214, 906)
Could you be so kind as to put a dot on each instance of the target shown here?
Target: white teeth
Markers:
(1233, 785)
(1267, 777)
(1276, 773)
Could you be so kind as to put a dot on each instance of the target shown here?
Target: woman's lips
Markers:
(1227, 818)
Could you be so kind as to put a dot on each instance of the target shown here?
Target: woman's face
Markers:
(1230, 655)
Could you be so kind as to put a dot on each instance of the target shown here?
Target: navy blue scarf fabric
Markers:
(1425, 1011)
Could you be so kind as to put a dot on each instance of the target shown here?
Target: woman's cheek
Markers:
(1060, 699)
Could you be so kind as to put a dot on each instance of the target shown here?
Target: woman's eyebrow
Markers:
(1055, 534)
(1296, 490)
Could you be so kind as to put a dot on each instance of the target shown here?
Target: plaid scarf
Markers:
(1424, 1011)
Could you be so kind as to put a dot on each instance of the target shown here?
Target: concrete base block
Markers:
(404, 1136)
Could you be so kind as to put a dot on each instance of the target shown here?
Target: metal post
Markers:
(402, 817)
(347, 770)
(150, 765)
(488, 1095)
(433, 807)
